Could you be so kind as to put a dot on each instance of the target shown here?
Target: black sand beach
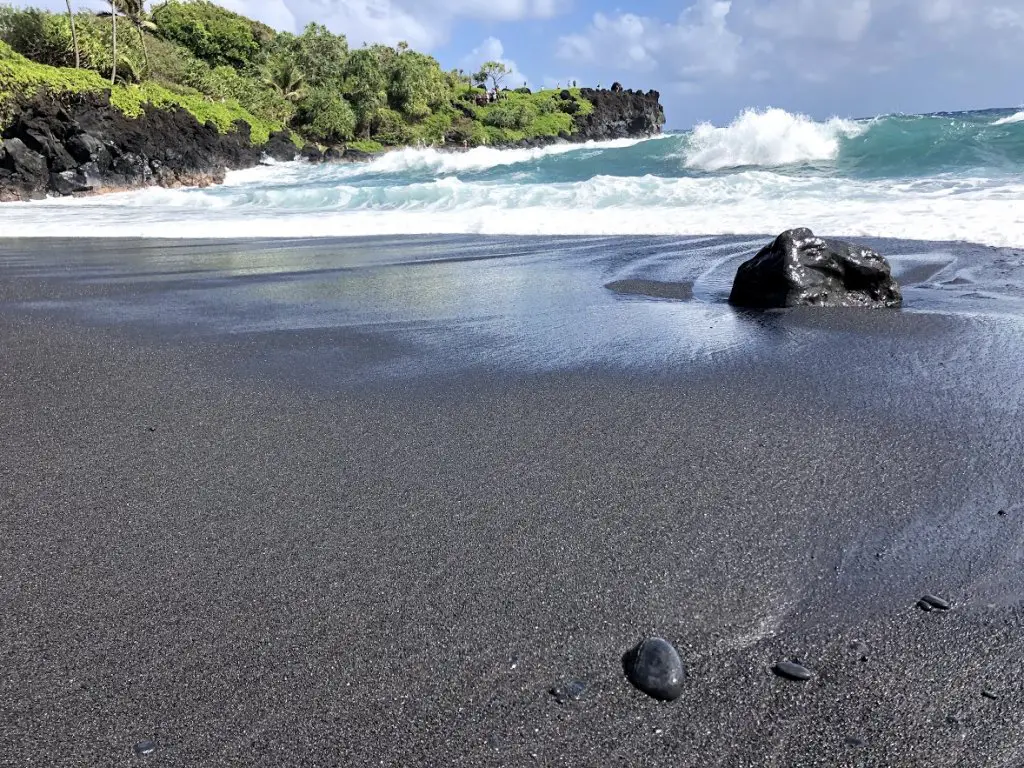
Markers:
(365, 502)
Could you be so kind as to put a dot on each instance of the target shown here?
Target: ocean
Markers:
(949, 176)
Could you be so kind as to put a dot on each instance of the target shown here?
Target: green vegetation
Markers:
(223, 67)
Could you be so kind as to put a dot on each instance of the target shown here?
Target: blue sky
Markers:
(711, 58)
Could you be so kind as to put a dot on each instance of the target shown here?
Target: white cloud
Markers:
(492, 49)
(275, 13)
(834, 21)
(424, 24)
(810, 40)
(698, 42)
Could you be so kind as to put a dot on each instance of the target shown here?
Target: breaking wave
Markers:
(770, 138)
(1015, 118)
(942, 177)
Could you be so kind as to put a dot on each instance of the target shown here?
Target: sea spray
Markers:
(770, 138)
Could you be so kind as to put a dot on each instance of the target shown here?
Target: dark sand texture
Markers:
(318, 505)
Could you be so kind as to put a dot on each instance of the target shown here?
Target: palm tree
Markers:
(135, 10)
(285, 77)
(113, 42)
(74, 36)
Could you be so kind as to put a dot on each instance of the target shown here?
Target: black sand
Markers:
(321, 505)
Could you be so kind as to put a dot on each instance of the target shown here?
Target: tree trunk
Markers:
(145, 48)
(74, 36)
(113, 44)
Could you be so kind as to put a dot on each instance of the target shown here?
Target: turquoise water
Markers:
(955, 176)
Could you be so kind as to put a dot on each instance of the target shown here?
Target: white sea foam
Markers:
(769, 138)
(1017, 118)
(749, 202)
(477, 159)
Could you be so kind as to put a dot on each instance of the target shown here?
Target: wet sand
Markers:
(365, 503)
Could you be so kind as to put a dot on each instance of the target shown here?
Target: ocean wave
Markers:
(1017, 118)
(768, 138)
(412, 160)
(746, 203)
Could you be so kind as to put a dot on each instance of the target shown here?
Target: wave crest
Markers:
(771, 138)
(411, 160)
(1017, 118)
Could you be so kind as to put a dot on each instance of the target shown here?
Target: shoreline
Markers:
(83, 145)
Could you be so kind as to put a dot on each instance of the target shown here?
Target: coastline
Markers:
(82, 145)
(382, 526)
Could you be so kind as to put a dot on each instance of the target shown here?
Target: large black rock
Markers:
(798, 269)
(618, 115)
(81, 144)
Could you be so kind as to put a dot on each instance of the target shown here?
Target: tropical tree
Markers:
(494, 71)
(113, 41)
(284, 76)
(326, 117)
(74, 36)
(417, 85)
(366, 84)
(135, 11)
(321, 56)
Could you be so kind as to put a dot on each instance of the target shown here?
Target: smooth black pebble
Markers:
(569, 692)
(145, 748)
(931, 602)
(655, 668)
(792, 671)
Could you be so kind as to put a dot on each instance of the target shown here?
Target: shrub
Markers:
(510, 113)
(46, 38)
(223, 83)
(326, 117)
(390, 128)
(209, 32)
(169, 64)
(21, 78)
(433, 129)
(466, 131)
(365, 145)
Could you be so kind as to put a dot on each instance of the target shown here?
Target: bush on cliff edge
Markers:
(22, 79)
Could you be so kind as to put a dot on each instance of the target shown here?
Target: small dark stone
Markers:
(856, 742)
(572, 691)
(655, 668)
(1001, 513)
(990, 695)
(145, 748)
(929, 602)
(280, 147)
(311, 153)
(792, 671)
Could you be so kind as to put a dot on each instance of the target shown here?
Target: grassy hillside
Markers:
(223, 67)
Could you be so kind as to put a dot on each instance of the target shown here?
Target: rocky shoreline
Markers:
(83, 145)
